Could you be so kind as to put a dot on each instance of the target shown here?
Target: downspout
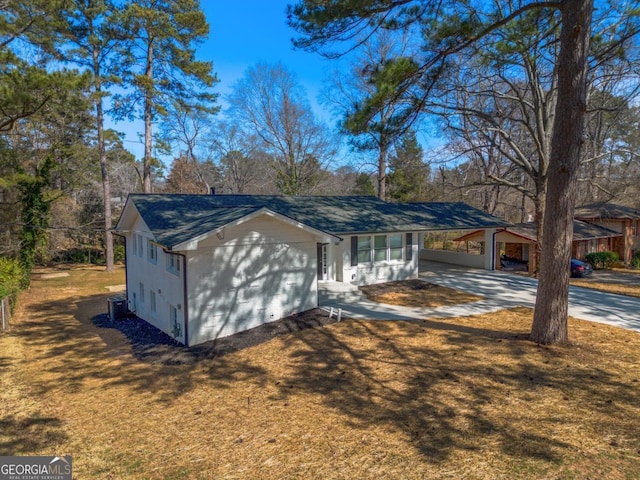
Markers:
(493, 250)
(185, 301)
(126, 270)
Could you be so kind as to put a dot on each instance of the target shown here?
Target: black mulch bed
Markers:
(154, 346)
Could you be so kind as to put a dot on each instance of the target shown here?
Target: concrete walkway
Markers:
(501, 290)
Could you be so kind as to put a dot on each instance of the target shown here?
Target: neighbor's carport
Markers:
(516, 245)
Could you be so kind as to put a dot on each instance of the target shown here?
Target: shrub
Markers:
(118, 253)
(635, 260)
(602, 260)
(13, 278)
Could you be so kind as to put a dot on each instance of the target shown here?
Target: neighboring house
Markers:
(621, 219)
(520, 240)
(200, 267)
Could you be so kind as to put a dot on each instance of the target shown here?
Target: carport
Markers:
(519, 242)
(457, 217)
(486, 260)
(516, 246)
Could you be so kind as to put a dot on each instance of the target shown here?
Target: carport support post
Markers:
(489, 248)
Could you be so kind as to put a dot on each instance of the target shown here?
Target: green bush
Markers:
(118, 252)
(602, 260)
(13, 278)
(635, 260)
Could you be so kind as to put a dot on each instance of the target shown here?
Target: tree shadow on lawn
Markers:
(439, 395)
(149, 344)
(4, 362)
(74, 349)
(30, 436)
(444, 397)
(77, 343)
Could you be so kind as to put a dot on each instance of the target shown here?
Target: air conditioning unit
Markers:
(117, 307)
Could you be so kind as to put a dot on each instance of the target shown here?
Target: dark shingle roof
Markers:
(606, 211)
(581, 230)
(174, 219)
(453, 216)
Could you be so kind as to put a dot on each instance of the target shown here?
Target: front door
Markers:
(322, 262)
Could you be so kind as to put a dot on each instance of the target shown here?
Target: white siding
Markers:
(254, 273)
(454, 258)
(168, 288)
(376, 272)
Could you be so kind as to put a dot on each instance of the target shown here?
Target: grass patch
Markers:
(620, 289)
(633, 271)
(458, 398)
(417, 293)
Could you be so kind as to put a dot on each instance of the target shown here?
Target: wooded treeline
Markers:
(477, 129)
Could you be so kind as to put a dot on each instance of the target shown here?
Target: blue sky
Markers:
(243, 33)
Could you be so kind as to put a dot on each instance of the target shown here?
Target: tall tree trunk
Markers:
(551, 311)
(539, 204)
(382, 171)
(106, 185)
(148, 101)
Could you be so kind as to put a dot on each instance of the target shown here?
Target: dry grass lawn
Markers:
(417, 293)
(459, 398)
(623, 281)
(619, 288)
(633, 271)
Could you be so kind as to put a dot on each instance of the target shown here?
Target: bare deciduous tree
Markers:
(269, 102)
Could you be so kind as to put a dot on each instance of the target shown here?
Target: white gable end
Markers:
(248, 275)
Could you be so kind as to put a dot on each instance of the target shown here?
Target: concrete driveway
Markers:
(501, 290)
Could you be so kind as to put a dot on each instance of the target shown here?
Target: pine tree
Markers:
(158, 63)
(408, 173)
(88, 38)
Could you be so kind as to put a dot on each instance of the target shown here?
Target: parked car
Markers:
(580, 268)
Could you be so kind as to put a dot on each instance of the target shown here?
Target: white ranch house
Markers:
(201, 267)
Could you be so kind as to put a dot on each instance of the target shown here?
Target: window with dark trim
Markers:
(409, 246)
(138, 249)
(173, 263)
(364, 249)
(380, 248)
(152, 252)
(354, 251)
(395, 247)
(152, 301)
(369, 249)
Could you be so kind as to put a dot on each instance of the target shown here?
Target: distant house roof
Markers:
(174, 219)
(581, 231)
(607, 211)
